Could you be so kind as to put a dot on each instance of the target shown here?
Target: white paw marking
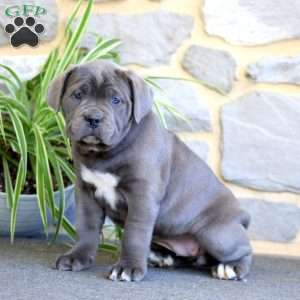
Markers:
(160, 261)
(168, 261)
(113, 275)
(224, 272)
(230, 273)
(125, 277)
(105, 184)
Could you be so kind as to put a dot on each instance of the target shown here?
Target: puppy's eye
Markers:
(77, 95)
(115, 100)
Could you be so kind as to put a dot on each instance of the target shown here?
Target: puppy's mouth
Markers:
(91, 140)
(92, 144)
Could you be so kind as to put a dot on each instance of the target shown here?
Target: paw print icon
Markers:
(24, 31)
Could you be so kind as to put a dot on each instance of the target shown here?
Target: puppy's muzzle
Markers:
(93, 119)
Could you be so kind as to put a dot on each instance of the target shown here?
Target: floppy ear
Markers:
(57, 89)
(142, 96)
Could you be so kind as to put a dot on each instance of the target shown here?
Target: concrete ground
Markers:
(26, 272)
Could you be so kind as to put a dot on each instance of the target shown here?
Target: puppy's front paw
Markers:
(120, 272)
(74, 262)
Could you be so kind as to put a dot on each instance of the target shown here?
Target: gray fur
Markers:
(164, 190)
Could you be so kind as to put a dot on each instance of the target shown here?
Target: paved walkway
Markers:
(26, 273)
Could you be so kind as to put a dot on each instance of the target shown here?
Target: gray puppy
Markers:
(143, 177)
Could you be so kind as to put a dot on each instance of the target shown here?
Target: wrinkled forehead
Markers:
(99, 77)
(88, 75)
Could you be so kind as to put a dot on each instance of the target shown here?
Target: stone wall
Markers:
(245, 117)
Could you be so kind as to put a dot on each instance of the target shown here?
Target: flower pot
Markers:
(29, 222)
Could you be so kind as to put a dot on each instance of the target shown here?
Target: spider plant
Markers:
(33, 142)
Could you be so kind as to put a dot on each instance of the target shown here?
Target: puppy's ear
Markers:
(57, 89)
(142, 96)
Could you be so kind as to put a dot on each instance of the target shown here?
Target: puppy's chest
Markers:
(106, 187)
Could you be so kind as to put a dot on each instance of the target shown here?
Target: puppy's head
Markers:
(100, 102)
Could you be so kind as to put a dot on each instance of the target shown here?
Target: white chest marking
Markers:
(105, 184)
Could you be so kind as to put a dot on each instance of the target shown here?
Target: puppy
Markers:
(143, 177)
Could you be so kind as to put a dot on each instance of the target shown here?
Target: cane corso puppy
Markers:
(144, 178)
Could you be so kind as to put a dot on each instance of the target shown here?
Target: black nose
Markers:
(93, 120)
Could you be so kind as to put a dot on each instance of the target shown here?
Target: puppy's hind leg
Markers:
(230, 246)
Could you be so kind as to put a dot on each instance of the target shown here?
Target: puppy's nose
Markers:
(93, 120)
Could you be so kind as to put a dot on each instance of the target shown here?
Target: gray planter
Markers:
(29, 221)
